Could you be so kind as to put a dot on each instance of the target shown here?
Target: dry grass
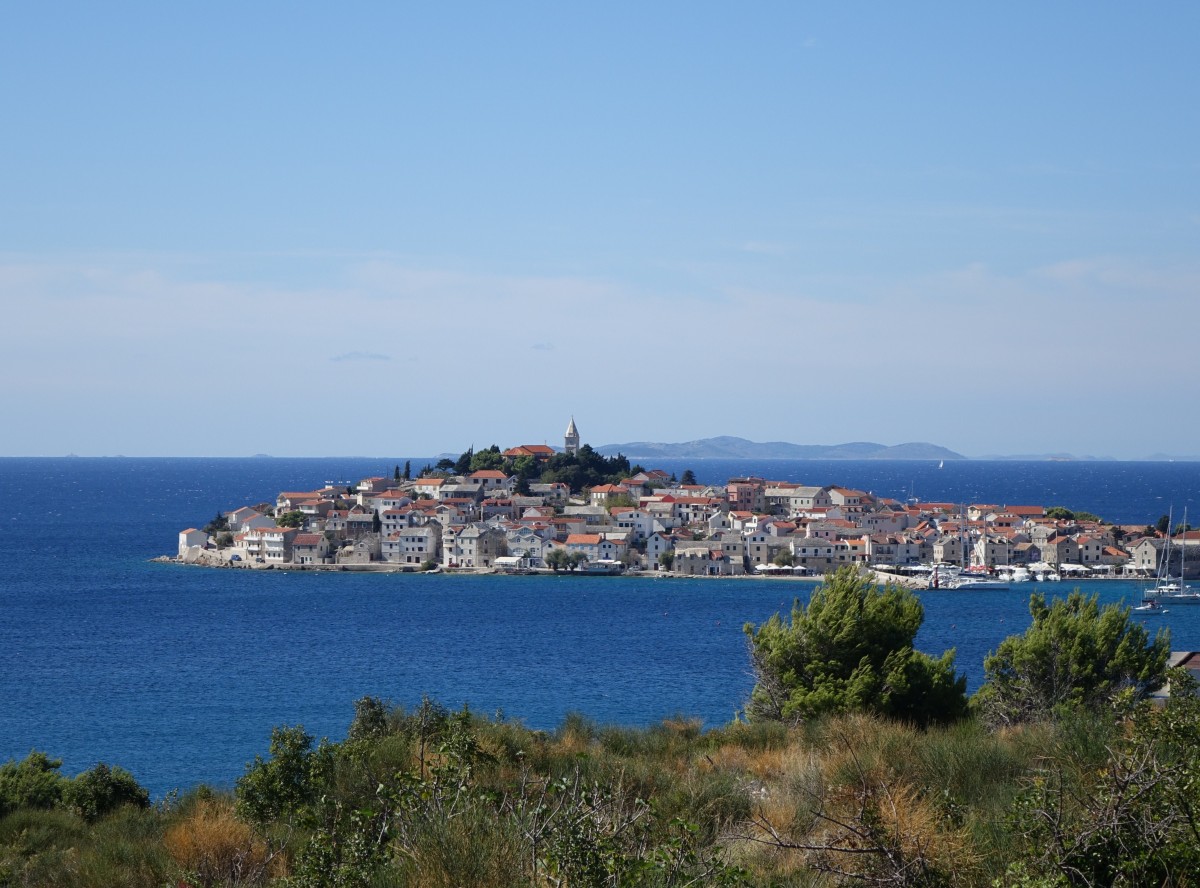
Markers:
(216, 848)
(844, 798)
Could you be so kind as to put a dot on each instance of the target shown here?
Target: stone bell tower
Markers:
(571, 439)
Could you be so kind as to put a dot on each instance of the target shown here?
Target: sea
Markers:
(178, 673)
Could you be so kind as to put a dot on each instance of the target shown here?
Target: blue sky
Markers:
(408, 228)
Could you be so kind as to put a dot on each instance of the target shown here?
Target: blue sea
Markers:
(178, 673)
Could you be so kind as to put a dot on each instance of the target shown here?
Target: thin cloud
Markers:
(766, 248)
(361, 356)
(543, 346)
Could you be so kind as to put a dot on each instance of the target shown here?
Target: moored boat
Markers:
(1149, 607)
(1167, 587)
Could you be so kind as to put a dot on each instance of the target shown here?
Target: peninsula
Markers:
(534, 508)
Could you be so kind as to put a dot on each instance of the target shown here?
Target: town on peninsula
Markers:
(534, 508)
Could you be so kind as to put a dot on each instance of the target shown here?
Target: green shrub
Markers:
(34, 782)
(102, 790)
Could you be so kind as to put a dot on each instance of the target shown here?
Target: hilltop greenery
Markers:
(837, 785)
(587, 468)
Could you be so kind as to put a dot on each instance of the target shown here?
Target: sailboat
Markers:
(1165, 586)
(974, 577)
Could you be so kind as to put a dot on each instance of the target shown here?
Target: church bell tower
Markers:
(571, 439)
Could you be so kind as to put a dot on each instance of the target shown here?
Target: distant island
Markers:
(729, 447)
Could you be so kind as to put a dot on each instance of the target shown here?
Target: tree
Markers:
(1163, 525)
(101, 790)
(490, 459)
(689, 477)
(784, 558)
(407, 470)
(557, 559)
(1075, 654)
(370, 720)
(667, 560)
(396, 473)
(851, 648)
(1060, 513)
(587, 468)
(290, 519)
(620, 501)
(284, 786)
(561, 559)
(34, 782)
(219, 523)
(463, 465)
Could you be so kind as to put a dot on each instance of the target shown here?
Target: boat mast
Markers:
(1183, 553)
(1164, 566)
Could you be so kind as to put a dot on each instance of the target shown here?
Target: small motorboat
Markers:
(1150, 606)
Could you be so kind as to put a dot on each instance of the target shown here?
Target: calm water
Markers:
(179, 673)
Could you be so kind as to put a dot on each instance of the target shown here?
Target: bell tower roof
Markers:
(571, 439)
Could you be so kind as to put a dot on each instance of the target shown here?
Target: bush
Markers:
(1075, 654)
(851, 649)
(32, 783)
(102, 790)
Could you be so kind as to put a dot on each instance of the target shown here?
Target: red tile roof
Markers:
(583, 539)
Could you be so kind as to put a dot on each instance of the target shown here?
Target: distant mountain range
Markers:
(727, 447)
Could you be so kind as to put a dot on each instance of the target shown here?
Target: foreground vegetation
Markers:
(862, 763)
(430, 798)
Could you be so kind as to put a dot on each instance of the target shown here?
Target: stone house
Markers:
(472, 545)
(413, 545)
(361, 550)
(701, 559)
(310, 548)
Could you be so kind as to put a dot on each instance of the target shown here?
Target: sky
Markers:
(397, 228)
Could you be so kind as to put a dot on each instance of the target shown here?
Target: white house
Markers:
(191, 538)
(526, 543)
(636, 522)
(588, 544)
(493, 481)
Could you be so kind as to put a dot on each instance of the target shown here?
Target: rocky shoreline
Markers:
(216, 560)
